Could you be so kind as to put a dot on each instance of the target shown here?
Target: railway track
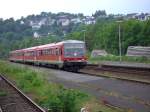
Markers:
(130, 73)
(139, 73)
(120, 69)
(13, 100)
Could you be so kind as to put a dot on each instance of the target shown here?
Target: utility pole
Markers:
(119, 35)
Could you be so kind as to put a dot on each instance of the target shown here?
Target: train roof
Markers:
(73, 41)
(48, 45)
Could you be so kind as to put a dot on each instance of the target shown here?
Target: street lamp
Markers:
(119, 34)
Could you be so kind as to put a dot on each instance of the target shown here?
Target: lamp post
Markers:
(119, 35)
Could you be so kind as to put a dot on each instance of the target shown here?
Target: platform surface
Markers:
(126, 64)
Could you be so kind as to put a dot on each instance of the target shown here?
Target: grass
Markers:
(3, 93)
(116, 58)
(49, 95)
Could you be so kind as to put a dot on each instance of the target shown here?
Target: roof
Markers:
(49, 45)
(72, 41)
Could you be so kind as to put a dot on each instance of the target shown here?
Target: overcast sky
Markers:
(18, 8)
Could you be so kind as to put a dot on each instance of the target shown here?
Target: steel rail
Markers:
(31, 102)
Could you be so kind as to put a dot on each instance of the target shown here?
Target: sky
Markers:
(18, 8)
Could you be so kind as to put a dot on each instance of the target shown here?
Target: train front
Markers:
(74, 55)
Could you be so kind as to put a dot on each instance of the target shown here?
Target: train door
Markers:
(35, 55)
(23, 56)
(59, 54)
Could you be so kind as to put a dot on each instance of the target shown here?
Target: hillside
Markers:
(99, 30)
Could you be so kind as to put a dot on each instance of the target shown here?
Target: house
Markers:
(51, 21)
(141, 17)
(138, 16)
(89, 20)
(36, 35)
(148, 16)
(118, 16)
(138, 51)
(42, 22)
(131, 16)
(76, 20)
(63, 20)
(96, 53)
(35, 25)
(22, 22)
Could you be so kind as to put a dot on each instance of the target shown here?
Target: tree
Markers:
(99, 13)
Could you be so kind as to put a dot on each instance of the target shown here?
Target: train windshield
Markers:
(74, 49)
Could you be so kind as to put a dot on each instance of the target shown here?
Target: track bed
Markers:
(13, 100)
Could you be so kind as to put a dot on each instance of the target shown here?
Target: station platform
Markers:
(125, 64)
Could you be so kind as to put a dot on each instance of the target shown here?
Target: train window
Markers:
(43, 52)
(26, 54)
(54, 51)
(34, 53)
(57, 51)
(60, 51)
(39, 53)
(31, 53)
(50, 51)
(46, 51)
(18, 54)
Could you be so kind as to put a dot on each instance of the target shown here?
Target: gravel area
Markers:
(124, 94)
(11, 101)
(120, 93)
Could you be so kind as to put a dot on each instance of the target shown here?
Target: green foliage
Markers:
(99, 13)
(52, 96)
(2, 93)
(104, 35)
(117, 58)
(10, 33)
(6, 45)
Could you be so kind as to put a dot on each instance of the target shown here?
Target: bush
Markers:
(117, 58)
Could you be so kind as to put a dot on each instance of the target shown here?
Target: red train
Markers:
(69, 54)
